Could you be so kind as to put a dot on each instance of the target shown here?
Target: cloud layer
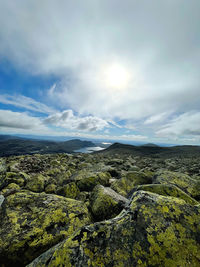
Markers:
(67, 119)
(19, 120)
(184, 125)
(158, 42)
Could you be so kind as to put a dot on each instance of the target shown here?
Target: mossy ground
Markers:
(155, 231)
(47, 199)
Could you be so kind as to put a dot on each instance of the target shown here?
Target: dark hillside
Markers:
(154, 151)
(23, 146)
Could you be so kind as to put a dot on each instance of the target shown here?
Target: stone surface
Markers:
(124, 185)
(167, 190)
(46, 202)
(30, 223)
(154, 231)
(88, 183)
(183, 181)
(1, 199)
(105, 203)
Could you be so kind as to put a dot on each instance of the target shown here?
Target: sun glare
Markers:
(116, 77)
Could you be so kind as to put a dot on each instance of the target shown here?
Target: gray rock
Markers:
(1, 199)
(105, 203)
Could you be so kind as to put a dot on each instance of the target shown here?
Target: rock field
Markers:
(99, 210)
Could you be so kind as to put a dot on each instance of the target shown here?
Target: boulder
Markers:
(50, 189)
(88, 183)
(19, 178)
(154, 231)
(31, 223)
(36, 183)
(167, 190)
(10, 188)
(183, 181)
(105, 203)
(71, 190)
(124, 185)
(1, 199)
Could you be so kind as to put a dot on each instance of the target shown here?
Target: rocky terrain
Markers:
(101, 209)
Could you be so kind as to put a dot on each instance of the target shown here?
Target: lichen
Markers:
(160, 231)
(35, 222)
(167, 190)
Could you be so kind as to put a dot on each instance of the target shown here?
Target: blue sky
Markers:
(117, 70)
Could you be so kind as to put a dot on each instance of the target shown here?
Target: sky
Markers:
(113, 70)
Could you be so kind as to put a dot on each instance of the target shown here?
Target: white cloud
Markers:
(25, 102)
(80, 39)
(67, 119)
(158, 118)
(187, 124)
(19, 120)
(21, 123)
(77, 41)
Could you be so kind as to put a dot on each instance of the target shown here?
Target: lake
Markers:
(89, 149)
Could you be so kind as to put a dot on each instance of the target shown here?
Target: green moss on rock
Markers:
(124, 185)
(36, 183)
(71, 190)
(10, 188)
(19, 178)
(30, 223)
(88, 183)
(154, 231)
(50, 189)
(183, 181)
(167, 190)
(105, 203)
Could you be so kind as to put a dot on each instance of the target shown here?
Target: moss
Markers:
(13, 166)
(124, 185)
(50, 188)
(83, 196)
(10, 188)
(17, 178)
(35, 222)
(105, 203)
(71, 190)
(88, 183)
(160, 231)
(104, 178)
(183, 181)
(167, 190)
(36, 183)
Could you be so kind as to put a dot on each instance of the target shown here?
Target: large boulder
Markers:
(105, 203)
(19, 178)
(181, 180)
(167, 190)
(154, 231)
(89, 182)
(36, 183)
(31, 223)
(71, 190)
(124, 185)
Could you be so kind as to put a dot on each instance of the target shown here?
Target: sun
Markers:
(116, 76)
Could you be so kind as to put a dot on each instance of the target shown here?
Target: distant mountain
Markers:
(8, 137)
(152, 150)
(19, 146)
(150, 145)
